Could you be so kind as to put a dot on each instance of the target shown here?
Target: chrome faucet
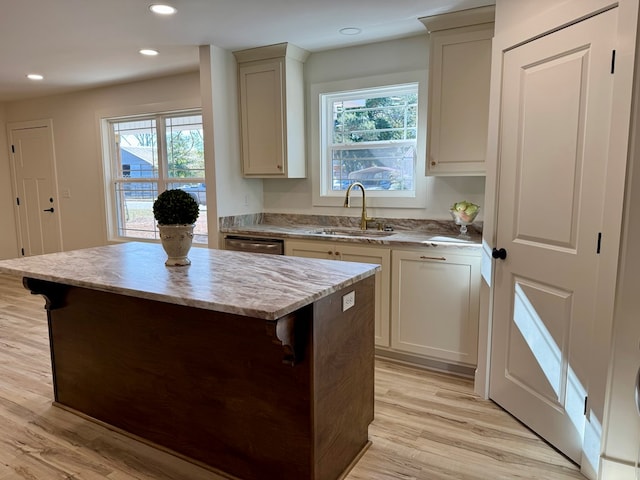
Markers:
(363, 219)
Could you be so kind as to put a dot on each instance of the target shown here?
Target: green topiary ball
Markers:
(175, 207)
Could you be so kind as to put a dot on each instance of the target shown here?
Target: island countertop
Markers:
(262, 286)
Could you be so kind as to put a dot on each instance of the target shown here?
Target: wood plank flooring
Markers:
(427, 426)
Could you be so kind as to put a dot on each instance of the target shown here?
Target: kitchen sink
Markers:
(350, 232)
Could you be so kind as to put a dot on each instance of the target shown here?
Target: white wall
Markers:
(78, 150)
(622, 434)
(8, 239)
(404, 55)
(621, 445)
(236, 195)
(228, 192)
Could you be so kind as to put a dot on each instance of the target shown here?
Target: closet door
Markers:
(556, 104)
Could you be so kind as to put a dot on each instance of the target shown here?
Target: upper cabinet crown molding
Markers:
(459, 80)
(278, 50)
(271, 94)
(461, 18)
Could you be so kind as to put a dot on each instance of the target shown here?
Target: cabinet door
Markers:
(350, 253)
(261, 112)
(459, 76)
(435, 305)
(382, 257)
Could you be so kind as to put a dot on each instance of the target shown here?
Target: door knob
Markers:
(48, 210)
(499, 253)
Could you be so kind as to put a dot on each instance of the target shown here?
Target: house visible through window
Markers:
(148, 155)
(369, 136)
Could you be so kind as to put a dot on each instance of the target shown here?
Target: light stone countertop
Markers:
(398, 238)
(250, 284)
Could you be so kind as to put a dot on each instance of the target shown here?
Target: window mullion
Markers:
(163, 163)
(115, 164)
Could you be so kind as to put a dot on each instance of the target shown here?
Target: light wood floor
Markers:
(427, 426)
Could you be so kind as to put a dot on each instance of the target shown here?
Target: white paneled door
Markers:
(33, 167)
(556, 103)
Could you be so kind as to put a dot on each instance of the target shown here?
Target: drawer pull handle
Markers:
(433, 258)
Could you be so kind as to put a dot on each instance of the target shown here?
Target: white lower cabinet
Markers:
(435, 303)
(427, 300)
(350, 253)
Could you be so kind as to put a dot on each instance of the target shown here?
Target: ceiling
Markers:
(77, 44)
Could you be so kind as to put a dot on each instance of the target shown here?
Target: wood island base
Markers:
(252, 399)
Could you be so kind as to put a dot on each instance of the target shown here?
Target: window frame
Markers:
(320, 167)
(327, 146)
(111, 162)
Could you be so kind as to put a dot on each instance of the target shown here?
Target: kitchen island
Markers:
(256, 366)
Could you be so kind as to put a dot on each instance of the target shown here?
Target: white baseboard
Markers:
(616, 469)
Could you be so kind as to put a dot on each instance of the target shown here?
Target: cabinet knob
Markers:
(329, 252)
(279, 167)
(499, 253)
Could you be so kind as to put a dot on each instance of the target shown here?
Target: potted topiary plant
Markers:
(176, 213)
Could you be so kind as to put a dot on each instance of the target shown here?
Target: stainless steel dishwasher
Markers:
(274, 246)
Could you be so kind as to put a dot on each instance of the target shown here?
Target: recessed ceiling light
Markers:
(35, 76)
(163, 9)
(350, 31)
(148, 52)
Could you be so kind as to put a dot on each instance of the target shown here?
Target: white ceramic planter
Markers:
(176, 241)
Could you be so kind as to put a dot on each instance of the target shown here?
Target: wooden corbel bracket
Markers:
(53, 293)
(283, 332)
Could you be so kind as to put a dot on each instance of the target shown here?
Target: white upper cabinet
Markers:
(459, 77)
(271, 91)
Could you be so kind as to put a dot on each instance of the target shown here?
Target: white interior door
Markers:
(33, 166)
(556, 103)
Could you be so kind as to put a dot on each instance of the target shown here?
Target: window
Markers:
(370, 136)
(148, 155)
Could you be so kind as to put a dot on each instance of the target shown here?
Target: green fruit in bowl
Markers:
(464, 212)
(471, 209)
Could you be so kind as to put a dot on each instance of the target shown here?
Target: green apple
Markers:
(460, 206)
(471, 209)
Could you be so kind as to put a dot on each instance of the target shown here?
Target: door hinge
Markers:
(613, 61)
(599, 243)
(586, 399)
